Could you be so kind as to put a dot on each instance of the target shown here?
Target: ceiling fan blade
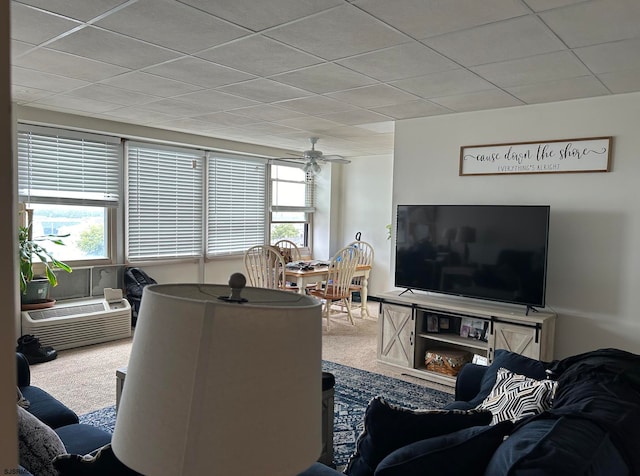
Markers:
(335, 158)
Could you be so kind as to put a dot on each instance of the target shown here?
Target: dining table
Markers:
(305, 273)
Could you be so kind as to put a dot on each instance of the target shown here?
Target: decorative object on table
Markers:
(197, 400)
(446, 361)
(590, 154)
(34, 289)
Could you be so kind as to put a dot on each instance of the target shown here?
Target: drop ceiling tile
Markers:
(216, 100)
(77, 104)
(589, 23)
(398, 62)
(348, 132)
(444, 84)
(387, 128)
(412, 109)
(265, 90)
(65, 64)
(531, 70)
(112, 48)
(267, 112)
(103, 92)
(271, 13)
(23, 94)
(324, 78)
(226, 119)
(622, 81)
(139, 114)
(151, 84)
(422, 19)
(199, 72)
(309, 123)
(267, 128)
(177, 108)
(162, 22)
(44, 81)
(18, 48)
(611, 57)
(338, 33)
(189, 125)
(316, 105)
(78, 9)
(373, 96)
(501, 41)
(560, 90)
(541, 5)
(356, 117)
(49, 26)
(478, 101)
(259, 55)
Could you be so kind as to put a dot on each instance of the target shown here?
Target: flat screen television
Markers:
(493, 252)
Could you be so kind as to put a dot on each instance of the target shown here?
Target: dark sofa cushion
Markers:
(47, 409)
(104, 463)
(516, 363)
(564, 446)
(463, 452)
(82, 439)
(388, 427)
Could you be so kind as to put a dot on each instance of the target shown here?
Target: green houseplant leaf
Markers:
(30, 248)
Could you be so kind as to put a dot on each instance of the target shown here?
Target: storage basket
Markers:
(446, 361)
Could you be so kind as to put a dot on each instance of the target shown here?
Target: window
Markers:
(165, 202)
(71, 181)
(291, 204)
(236, 204)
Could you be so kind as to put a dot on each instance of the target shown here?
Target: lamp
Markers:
(466, 235)
(311, 167)
(222, 384)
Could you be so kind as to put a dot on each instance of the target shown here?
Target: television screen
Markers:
(494, 252)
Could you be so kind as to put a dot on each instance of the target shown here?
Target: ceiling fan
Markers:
(313, 156)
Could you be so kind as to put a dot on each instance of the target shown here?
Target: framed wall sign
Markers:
(591, 154)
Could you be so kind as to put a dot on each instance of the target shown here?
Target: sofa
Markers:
(47, 417)
(576, 416)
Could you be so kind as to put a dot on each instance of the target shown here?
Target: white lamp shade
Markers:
(218, 388)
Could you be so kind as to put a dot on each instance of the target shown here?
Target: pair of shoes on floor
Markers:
(30, 346)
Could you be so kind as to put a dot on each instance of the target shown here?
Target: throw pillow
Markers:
(23, 402)
(388, 427)
(515, 396)
(104, 463)
(464, 452)
(37, 444)
(517, 363)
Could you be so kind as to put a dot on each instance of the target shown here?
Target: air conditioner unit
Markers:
(75, 323)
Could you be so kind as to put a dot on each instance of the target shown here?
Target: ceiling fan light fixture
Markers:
(311, 167)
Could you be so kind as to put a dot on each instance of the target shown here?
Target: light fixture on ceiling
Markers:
(312, 167)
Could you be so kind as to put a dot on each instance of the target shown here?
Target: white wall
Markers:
(366, 208)
(593, 280)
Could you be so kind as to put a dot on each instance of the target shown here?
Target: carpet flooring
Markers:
(353, 391)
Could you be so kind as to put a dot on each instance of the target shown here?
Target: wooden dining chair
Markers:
(365, 259)
(265, 267)
(290, 248)
(338, 284)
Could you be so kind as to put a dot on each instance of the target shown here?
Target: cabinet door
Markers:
(397, 335)
(519, 339)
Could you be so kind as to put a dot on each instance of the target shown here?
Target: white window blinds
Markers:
(236, 204)
(68, 167)
(165, 202)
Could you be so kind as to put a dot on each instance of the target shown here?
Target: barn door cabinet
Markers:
(410, 325)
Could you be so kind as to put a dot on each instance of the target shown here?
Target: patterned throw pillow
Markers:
(515, 396)
(37, 444)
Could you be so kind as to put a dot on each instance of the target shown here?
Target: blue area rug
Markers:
(353, 391)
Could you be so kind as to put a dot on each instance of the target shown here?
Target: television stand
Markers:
(410, 325)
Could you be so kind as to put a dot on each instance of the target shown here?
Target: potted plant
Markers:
(35, 288)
